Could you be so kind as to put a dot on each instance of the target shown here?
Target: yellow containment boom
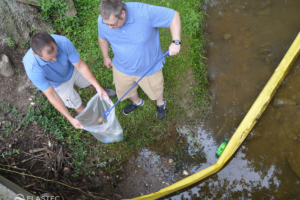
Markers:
(245, 127)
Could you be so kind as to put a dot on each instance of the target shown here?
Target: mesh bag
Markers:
(106, 130)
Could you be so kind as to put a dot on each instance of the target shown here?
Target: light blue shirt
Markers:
(136, 44)
(43, 73)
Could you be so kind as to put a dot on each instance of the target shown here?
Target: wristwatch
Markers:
(177, 42)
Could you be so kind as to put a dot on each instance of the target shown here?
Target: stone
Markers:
(244, 28)
(294, 161)
(238, 6)
(25, 83)
(227, 36)
(282, 101)
(293, 136)
(247, 44)
(265, 12)
(72, 10)
(255, 133)
(6, 67)
(278, 114)
(244, 68)
(236, 42)
(265, 5)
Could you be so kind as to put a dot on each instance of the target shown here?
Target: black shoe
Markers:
(161, 111)
(131, 107)
(110, 92)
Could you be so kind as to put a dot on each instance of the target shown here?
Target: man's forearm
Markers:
(56, 101)
(175, 27)
(85, 71)
(104, 46)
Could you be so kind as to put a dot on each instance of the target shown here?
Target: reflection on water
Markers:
(247, 40)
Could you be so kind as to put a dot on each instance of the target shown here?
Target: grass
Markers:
(141, 128)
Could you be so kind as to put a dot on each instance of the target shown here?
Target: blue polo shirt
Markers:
(43, 73)
(136, 44)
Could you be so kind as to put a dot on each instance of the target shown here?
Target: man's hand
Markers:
(102, 92)
(174, 49)
(107, 62)
(76, 123)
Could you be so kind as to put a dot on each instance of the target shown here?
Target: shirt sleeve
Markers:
(100, 24)
(160, 16)
(36, 76)
(38, 79)
(71, 51)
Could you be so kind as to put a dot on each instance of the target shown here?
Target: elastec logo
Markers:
(19, 197)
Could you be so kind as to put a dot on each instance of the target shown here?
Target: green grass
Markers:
(141, 128)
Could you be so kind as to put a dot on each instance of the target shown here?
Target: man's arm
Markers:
(104, 46)
(56, 101)
(175, 29)
(84, 70)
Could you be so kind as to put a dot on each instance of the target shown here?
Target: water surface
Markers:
(246, 42)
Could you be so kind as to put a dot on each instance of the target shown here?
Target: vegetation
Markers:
(10, 42)
(141, 128)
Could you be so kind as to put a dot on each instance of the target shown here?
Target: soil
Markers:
(9, 86)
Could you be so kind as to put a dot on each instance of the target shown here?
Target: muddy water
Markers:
(247, 40)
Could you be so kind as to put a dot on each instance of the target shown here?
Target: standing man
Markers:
(54, 66)
(132, 31)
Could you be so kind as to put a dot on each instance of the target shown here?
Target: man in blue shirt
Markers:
(132, 31)
(54, 66)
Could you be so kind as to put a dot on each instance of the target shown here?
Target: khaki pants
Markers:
(152, 85)
(68, 94)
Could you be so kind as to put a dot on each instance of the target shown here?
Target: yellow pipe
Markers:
(245, 127)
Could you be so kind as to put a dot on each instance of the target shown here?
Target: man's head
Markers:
(44, 46)
(113, 13)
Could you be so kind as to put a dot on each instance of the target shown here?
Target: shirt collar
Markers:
(129, 17)
(40, 61)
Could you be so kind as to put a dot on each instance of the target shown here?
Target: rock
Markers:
(227, 36)
(245, 69)
(236, 42)
(283, 102)
(255, 133)
(26, 83)
(263, 50)
(293, 136)
(265, 5)
(18, 19)
(67, 170)
(278, 114)
(6, 68)
(244, 28)
(247, 44)
(294, 161)
(265, 12)
(265, 44)
(72, 10)
(238, 6)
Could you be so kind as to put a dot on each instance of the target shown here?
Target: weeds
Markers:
(10, 42)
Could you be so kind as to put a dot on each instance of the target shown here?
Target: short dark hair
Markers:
(41, 40)
(111, 7)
